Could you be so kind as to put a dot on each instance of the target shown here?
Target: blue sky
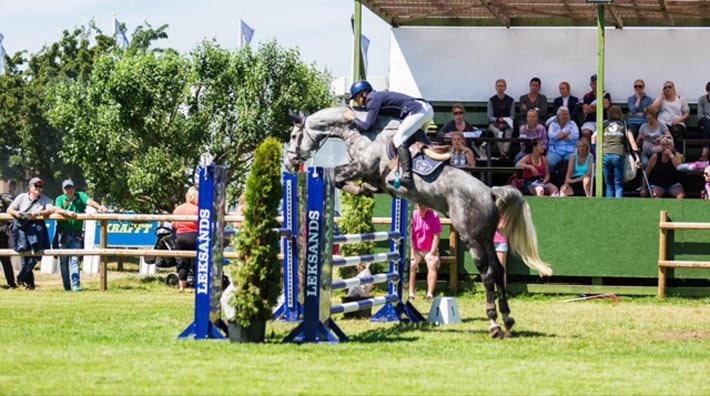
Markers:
(320, 28)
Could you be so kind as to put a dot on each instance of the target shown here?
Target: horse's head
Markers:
(299, 147)
(309, 133)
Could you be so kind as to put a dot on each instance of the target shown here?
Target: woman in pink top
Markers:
(426, 228)
(186, 232)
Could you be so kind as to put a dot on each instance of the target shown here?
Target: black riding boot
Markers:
(405, 161)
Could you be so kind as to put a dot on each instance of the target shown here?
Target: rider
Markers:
(415, 114)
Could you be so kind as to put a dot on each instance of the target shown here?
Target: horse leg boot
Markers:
(405, 161)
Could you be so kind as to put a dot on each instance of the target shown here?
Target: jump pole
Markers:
(208, 264)
(291, 309)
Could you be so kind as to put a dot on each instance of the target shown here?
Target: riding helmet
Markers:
(358, 87)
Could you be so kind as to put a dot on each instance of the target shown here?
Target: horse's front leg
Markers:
(345, 173)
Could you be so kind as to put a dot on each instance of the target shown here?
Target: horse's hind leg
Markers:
(481, 257)
(497, 273)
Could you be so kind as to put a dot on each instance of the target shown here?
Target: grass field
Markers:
(123, 342)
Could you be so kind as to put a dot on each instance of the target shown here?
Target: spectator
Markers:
(11, 188)
(705, 194)
(415, 113)
(500, 243)
(186, 234)
(663, 173)
(5, 201)
(501, 113)
(70, 232)
(536, 172)
(425, 229)
(460, 154)
(563, 135)
(30, 232)
(614, 151)
(567, 100)
(704, 120)
(458, 123)
(532, 129)
(638, 103)
(650, 135)
(578, 180)
(534, 100)
(589, 108)
(672, 110)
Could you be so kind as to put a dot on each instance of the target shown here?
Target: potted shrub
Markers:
(257, 277)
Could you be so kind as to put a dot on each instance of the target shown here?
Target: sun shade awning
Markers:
(509, 13)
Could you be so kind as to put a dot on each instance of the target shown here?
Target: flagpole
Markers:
(241, 33)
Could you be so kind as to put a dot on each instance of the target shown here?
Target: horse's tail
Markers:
(517, 226)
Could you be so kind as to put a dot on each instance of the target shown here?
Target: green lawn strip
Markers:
(123, 342)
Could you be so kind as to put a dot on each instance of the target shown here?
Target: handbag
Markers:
(629, 167)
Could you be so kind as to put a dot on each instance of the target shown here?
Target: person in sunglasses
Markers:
(673, 110)
(30, 231)
(638, 102)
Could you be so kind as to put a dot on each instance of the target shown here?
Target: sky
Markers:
(319, 28)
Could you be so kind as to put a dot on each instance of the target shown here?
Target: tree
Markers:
(257, 278)
(147, 116)
(244, 96)
(30, 144)
(126, 128)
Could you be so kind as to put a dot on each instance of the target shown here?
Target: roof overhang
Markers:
(510, 13)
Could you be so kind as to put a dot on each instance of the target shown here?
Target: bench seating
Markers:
(664, 263)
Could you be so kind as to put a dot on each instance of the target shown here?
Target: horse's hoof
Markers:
(509, 333)
(509, 322)
(495, 332)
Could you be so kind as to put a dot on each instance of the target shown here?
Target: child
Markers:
(426, 228)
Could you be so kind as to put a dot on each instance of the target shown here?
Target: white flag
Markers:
(247, 33)
(119, 34)
(364, 44)
(2, 55)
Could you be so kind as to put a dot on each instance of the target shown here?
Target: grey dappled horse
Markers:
(473, 207)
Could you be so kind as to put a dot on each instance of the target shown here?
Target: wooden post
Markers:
(662, 237)
(454, 269)
(104, 259)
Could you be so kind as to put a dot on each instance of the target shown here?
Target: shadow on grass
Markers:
(391, 334)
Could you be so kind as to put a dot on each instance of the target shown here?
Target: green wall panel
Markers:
(601, 237)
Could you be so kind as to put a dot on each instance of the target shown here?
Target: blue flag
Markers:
(247, 33)
(119, 34)
(364, 44)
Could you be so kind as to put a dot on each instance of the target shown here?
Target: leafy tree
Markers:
(30, 144)
(243, 96)
(127, 128)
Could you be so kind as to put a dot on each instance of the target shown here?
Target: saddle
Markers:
(421, 164)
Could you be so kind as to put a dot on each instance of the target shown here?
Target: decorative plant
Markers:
(257, 276)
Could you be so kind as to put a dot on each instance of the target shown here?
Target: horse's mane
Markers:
(331, 119)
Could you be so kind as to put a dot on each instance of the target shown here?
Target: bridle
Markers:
(305, 133)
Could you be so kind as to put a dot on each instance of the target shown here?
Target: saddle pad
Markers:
(421, 164)
(424, 166)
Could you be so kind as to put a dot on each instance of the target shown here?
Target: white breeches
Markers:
(412, 123)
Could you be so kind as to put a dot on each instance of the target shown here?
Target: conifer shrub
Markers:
(257, 276)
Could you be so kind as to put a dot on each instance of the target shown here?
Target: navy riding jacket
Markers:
(393, 104)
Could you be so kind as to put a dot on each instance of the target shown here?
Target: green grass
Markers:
(123, 342)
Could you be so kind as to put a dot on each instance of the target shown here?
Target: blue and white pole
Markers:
(291, 309)
(208, 264)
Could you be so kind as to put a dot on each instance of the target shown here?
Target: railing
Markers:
(103, 250)
(666, 225)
